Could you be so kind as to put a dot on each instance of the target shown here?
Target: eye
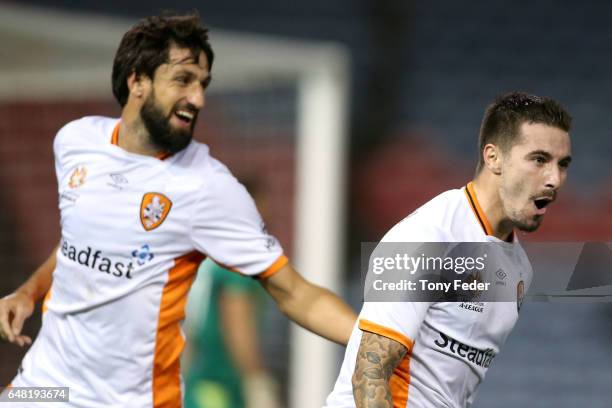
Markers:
(539, 160)
(183, 80)
(206, 82)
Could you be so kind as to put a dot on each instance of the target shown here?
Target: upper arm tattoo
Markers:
(377, 357)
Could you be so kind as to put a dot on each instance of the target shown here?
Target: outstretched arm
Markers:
(19, 305)
(312, 307)
(377, 358)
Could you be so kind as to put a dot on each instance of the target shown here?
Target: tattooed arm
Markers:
(377, 357)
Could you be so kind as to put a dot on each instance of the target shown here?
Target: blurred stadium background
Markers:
(420, 75)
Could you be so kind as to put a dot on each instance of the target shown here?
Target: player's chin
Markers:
(529, 224)
(176, 140)
(182, 134)
(180, 127)
(179, 144)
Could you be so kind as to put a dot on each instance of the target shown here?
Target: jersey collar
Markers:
(115, 141)
(480, 215)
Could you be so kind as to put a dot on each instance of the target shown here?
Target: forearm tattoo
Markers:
(377, 357)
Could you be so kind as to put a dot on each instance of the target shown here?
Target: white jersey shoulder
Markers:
(445, 218)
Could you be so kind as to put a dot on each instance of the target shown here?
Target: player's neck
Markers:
(487, 194)
(134, 137)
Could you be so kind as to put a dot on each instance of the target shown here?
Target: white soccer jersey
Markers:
(134, 230)
(450, 344)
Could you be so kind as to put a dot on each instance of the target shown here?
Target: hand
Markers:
(14, 309)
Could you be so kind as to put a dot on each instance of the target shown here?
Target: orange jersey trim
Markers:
(399, 383)
(45, 300)
(169, 342)
(475, 206)
(275, 267)
(115, 136)
(115, 141)
(272, 269)
(400, 379)
(375, 328)
(163, 156)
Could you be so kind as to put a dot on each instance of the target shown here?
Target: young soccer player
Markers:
(434, 354)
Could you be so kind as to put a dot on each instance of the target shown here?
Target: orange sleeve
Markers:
(275, 267)
(372, 327)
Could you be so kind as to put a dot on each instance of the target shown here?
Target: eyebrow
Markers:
(549, 156)
(187, 59)
(205, 82)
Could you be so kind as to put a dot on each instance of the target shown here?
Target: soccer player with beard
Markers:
(141, 206)
(434, 354)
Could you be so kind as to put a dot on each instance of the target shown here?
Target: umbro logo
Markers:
(118, 178)
(118, 181)
(501, 277)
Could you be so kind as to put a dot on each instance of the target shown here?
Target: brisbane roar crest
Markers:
(154, 209)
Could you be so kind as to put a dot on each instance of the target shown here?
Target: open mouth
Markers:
(541, 203)
(185, 116)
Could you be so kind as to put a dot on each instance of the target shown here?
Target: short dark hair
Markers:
(503, 118)
(146, 46)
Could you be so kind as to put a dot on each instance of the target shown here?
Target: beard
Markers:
(519, 217)
(523, 220)
(161, 133)
(527, 225)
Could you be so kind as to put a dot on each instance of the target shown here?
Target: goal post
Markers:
(321, 73)
(57, 55)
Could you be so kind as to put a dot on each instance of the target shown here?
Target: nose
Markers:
(197, 97)
(554, 177)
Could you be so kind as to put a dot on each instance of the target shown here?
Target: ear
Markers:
(492, 156)
(138, 85)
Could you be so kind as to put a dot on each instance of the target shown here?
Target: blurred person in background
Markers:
(223, 359)
(426, 354)
(141, 206)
